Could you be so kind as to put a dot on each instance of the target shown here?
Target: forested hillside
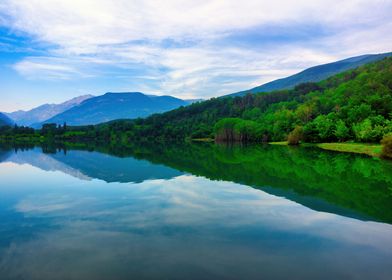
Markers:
(315, 74)
(354, 105)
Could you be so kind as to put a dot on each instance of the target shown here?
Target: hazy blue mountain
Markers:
(5, 120)
(315, 74)
(111, 106)
(44, 112)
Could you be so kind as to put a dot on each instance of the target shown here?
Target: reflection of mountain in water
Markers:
(114, 169)
(87, 165)
(45, 162)
(346, 184)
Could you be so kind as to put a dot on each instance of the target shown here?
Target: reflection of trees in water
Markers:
(352, 185)
(355, 182)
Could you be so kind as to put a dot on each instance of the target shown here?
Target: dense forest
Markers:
(354, 105)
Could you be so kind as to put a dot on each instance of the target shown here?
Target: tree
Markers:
(224, 129)
(295, 136)
(305, 112)
(342, 132)
(387, 146)
(325, 126)
(366, 132)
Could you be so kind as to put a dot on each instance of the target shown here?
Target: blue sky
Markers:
(53, 50)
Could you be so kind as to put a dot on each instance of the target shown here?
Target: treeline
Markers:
(355, 105)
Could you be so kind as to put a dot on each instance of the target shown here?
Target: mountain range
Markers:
(111, 106)
(89, 109)
(315, 74)
(44, 112)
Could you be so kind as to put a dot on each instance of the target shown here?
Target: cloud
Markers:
(193, 48)
(97, 22)
(45, 70)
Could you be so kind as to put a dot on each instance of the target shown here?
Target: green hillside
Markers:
(354, 105)
(315, 74)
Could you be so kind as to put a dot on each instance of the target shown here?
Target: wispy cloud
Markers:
(193, 48)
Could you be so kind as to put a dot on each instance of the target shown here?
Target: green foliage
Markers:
(387, 146)
(342, 132)
(365, 131)
(236, 129)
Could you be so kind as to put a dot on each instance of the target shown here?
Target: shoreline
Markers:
(370, 149)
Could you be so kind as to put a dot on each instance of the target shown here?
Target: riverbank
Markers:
(373, 150)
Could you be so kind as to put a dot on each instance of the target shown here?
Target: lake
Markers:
(193, 211)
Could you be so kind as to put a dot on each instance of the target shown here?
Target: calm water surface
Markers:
(194, 212)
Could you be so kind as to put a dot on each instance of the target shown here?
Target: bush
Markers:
(387, 146)
(295, 136)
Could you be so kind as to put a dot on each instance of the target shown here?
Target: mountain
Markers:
(315, 74)
(44, 112)
(111, 106)
(5, 120)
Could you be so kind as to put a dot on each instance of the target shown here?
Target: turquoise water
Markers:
(194, 212)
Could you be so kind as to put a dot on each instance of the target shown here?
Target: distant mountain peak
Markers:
(116, 105)
(45, 111)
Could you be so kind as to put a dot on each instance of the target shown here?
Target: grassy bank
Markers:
(373, 150)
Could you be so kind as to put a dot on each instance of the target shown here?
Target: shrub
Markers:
(387, 146)
(295, 136)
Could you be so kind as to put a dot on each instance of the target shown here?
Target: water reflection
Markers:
(346, 184)
(89, 164)
(184, 227)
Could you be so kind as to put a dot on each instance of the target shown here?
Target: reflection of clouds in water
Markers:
(195, 201)
(156, 227)
(49, 203)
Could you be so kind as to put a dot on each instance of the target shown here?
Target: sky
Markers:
(54, 50)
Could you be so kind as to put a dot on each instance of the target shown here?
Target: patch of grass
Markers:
(284, 143)
(373, 150)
